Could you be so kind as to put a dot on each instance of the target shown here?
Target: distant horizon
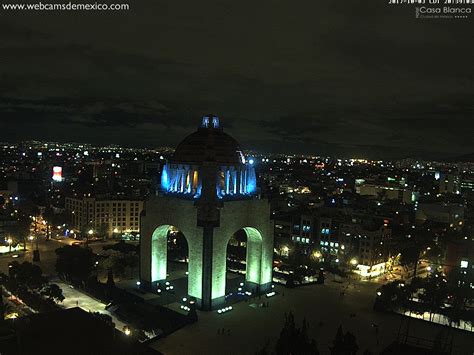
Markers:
(447, 158)
(344, 79)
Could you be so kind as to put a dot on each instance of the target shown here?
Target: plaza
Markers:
(324, 307)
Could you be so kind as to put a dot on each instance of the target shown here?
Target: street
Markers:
(47, 253)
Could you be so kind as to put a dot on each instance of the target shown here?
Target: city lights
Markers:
(309, 165)
(225, 309)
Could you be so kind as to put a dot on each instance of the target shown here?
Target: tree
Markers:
(344, 344)
(53, 292)
(114, 263)
(294, 340)
(110, 279)
(53, 218)
(27, 274)
(434, 293)
(131, 261)
(122, 247)
(22, 229)
(48, 216)
(117, 263)
(75, 264)
(410, 256)
(460, 294)
(411, 252)
(392, 296)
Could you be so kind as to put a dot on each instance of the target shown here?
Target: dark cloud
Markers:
(351, 78)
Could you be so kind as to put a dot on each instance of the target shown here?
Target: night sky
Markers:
(347, 78)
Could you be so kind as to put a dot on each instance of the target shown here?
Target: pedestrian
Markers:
(77, 303)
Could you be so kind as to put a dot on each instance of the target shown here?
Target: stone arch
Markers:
(161, 214)
(253, 268)
(159, 252)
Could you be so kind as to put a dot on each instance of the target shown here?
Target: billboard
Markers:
(57, 173)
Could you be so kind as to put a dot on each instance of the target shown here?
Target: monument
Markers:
(208, 192)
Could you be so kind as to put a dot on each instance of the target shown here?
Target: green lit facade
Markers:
(208, 192)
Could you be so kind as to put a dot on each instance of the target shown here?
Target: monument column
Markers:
(208, 218)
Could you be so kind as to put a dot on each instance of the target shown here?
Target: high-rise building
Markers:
(448, 183)
(366, 246)
(104, 217)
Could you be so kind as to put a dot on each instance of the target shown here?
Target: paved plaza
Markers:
(76, 298)
(323, 306)
(251, 326)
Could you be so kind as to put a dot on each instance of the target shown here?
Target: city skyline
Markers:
(100, 147)
(222, 177)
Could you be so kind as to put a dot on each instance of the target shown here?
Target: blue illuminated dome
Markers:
(234, 176)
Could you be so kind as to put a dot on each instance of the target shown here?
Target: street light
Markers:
(354, 262)
(90, 232)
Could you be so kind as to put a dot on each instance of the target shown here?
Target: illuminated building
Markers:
(366, 245)
(449, 214)
(391, 189)
(448, 183)
(57, 173)
(208, 192)
(106, 217)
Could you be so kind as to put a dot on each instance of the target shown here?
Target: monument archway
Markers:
(208, 190)
(251, 254)
(160, 241)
